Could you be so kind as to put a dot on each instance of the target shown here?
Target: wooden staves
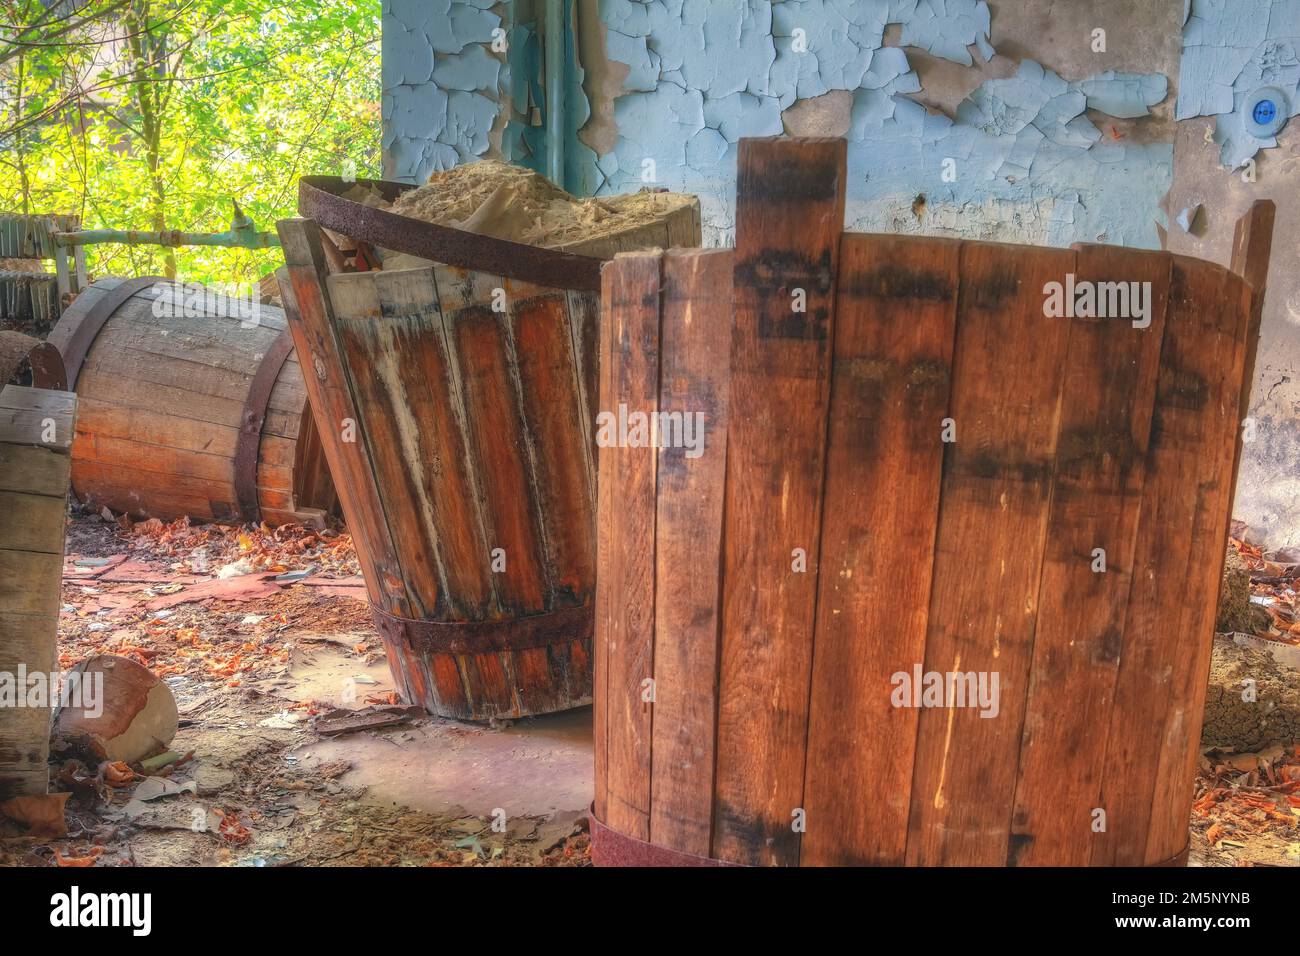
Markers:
(991, 480)
(36, 428)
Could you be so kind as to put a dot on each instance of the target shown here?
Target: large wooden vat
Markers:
(919, 473)
(189, 414)
(455, 405)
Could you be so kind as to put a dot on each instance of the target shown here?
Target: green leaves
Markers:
(156, 113)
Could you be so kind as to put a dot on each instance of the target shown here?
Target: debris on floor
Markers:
(1247, 808)
(280, 691)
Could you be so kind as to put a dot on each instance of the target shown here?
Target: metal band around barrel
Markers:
(249, 441)
(611, 848)
(479, 637)
(75, 333)
(319, 199)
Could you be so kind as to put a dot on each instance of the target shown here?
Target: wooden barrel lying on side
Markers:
(189, 405)
(938, 587)
(455, 406)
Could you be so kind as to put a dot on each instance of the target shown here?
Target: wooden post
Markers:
(1252, 246)
(789, 217)
(36, 428)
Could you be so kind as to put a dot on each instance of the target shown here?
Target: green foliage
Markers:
(153, 114)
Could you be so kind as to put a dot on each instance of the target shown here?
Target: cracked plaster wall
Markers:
(1230, 49)
(1024, 154)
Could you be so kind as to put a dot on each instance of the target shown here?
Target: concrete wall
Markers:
(1230, 51)
(998, 120)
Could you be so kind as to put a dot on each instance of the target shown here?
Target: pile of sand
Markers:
(1249, 717)
(1236, 613)
(496, 199)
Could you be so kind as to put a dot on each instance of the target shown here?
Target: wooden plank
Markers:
(555, 420)
(693, 378)
(607, 600)
(1185, 524)
(18, 783)
(310, 320)
(34, 470)
(140, 492)
(29, 583)
(32, 522)
(165, 461)
(44, 428)
(418, 460)
(789, 216)
(485, 373)
(1252, 247)
(1099, 473)
(1252, 250)
(1007, 372)
(110, 387)
(625, 612)
(62, 405)
(555, 415)
(894, 327)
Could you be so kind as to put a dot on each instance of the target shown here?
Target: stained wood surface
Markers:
(1080, 639)
(693, 378)
(629, 377)
(988, 547)
(36, 428)
(894, 328)
(310, 313)
(1202, 365)
(789, 215)
(162, 403)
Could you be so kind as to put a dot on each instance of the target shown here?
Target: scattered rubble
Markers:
(258, 676)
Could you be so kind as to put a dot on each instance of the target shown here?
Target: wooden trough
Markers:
(910, 468)
(36, 427)
(192, 405)
(455, 402)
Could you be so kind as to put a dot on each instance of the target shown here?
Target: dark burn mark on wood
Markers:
(1181, 388)
(1080, 448)
(1017, 844)
(896, 282)
(997, 289)
(988, 464)
(774, 271)
(774, 275)
(1111, 646)
(785, 178)
(766, 840)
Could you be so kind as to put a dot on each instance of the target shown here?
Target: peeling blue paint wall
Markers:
(442, 84)
(1020, 159)
(1230, 49)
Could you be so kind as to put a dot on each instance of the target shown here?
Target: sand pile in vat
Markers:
(496, 199)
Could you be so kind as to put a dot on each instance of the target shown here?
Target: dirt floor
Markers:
(1247, 807)
(267, 667)
(265, 640)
